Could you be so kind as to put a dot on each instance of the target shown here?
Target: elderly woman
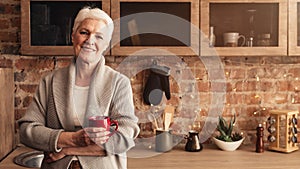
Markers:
(56, 120)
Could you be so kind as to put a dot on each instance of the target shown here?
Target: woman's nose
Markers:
(90, 40)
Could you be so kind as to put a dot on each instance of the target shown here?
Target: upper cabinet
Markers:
(169, 27)
(46, 26)
(244, 27)
(294, 27)
(155, 27)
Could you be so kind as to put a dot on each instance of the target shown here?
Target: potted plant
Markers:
(227, 140)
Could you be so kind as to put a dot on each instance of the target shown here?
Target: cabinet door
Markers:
(155, 27)
(7, 125)
(263, 23)
(46, 26)
(294, 27)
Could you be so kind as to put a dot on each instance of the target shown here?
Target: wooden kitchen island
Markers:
(209, 158)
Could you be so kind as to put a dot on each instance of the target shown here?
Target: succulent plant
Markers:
(226, 130)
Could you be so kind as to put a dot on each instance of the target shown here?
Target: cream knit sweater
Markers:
(51, 112)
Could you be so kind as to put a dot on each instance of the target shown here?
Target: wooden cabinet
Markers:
(263, 23)
(46, 26)
(294, 28)
(168, 27)
(7, 125)
(155, 27)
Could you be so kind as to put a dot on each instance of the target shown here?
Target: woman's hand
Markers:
(80, 138)
(98, 135)
(86, 141)
(90, 150)
(51, 157)
(83, 137)
(74, 139)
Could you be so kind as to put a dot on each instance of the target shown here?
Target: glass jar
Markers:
(264, 40)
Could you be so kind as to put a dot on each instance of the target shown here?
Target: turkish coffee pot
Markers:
(193, 143)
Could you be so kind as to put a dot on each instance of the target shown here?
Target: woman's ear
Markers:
(72, 37)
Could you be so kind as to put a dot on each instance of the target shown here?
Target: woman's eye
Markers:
(99, 37)
(84, 33)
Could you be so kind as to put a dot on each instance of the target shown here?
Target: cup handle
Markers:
(114, 123)
(187, 137)
(244, 39)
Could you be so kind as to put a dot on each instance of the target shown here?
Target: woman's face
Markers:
(90, 40)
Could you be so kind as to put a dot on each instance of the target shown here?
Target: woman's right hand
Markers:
(98, 135)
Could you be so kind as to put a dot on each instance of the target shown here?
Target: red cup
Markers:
(103, 121)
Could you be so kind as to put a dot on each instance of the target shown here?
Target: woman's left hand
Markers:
(51, 157)
(98, 135)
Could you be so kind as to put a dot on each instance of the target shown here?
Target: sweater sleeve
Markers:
(33, 132)
(122, 110)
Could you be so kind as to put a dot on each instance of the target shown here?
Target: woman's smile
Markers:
(88, 49)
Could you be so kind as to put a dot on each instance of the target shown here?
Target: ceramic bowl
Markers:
(228, 146)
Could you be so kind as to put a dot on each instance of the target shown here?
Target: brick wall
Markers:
(10, 26)
(255, 85)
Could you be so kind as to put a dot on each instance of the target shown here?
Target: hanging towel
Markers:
(157, 83)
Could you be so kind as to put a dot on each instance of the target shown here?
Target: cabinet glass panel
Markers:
(51, 21)
(257, 22)
(155, 31)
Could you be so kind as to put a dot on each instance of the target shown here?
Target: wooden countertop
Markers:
(213, 158)
(209, 158)
(8, 163)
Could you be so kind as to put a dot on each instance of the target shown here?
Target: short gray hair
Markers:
(94, 13)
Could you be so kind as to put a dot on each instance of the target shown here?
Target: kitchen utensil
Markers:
(193, 143)
(231, 39)
(168, 116)
(152, 118)
(284, 138)
(259, 140)
(163, 140)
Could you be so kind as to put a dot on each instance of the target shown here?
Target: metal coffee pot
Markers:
(193, 144)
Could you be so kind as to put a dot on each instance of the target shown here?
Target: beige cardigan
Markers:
(51, 112)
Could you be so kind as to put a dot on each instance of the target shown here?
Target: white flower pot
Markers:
(228, 146)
